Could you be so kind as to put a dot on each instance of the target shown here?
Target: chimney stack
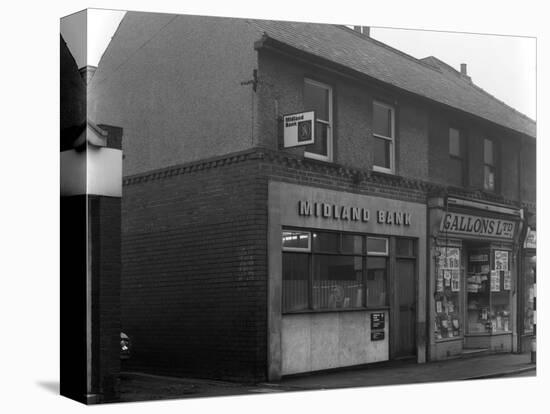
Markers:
(464, 72)
(365, 30)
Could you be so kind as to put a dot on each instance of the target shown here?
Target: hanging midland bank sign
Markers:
(477, 226)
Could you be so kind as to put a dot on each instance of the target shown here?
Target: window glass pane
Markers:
(377, 274)
(337, 281)
(326, 242)
(381, 120)
(501, 286)
(295, 239)
(320, 146)
(488, 152)
(448, 316)
(377, 245)
(489, 179)
(382, 151)
(352, 244)
(478, 283)
(529, 295)
(404, 247)
(295, 281)
(454, 143)
(316, 99)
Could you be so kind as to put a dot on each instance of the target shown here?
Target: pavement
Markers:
(136, 386)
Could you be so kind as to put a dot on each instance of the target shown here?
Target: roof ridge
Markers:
(445, 64)
(479, 88)
(386, 46)
(503, 103)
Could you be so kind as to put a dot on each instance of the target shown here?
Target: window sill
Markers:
(317, 157)
(383, 170)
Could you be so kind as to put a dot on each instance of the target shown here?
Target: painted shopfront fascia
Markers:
(453, 227)
(313, 341)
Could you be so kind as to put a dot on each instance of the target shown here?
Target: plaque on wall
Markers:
(377, 336)
(377, 321)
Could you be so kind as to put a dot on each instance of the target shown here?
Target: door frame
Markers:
(394, 300)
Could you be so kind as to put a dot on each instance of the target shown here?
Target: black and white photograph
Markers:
(297, 206)
(255, 206)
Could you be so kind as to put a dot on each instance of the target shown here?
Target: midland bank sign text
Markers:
(342, 212)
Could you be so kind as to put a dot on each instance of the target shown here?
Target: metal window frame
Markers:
(387, 253)
(297, 249)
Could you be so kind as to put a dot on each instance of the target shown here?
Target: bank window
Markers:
(489, 164)
(383, 124)
(339, 271)
(377, 246)
(296, 240)
(377, 280)
(318, 98)
(456, 157)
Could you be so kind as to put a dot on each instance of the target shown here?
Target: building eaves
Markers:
(378, 61)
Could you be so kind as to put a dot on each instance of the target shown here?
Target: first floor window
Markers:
(456, 157)
(383, 124)
(318, 98)
(489, 163)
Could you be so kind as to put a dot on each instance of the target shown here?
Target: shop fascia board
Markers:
(487, 207)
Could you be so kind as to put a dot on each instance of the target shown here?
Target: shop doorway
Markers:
(404, 332)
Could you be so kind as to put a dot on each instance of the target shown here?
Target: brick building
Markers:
(386, 238)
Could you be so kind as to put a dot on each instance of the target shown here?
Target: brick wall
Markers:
(173, 82)
(194, 272)
(507, 146)
(281, 92)
(529, 171)
(194, 254)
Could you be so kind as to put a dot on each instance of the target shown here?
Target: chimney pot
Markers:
(463, 69)
(366, 31)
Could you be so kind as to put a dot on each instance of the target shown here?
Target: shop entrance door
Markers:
(404, 332)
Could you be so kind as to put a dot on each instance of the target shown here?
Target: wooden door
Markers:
(405, 308)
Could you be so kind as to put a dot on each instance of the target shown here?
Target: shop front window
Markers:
(489, 284)
(377, 276)
(330, 270)
(448, 321)
(529, 294)
(337, 281)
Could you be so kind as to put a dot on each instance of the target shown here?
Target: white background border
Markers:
(29, 295)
